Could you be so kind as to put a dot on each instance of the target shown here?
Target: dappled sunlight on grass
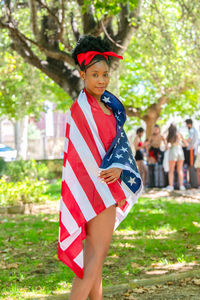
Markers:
(167, 234)
(159, 235)
(29, 252)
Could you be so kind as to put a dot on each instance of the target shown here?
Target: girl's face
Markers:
(96, 78)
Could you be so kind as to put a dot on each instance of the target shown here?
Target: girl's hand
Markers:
(110, 175)
(121, 203)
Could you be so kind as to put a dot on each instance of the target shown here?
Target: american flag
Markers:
(83, 195)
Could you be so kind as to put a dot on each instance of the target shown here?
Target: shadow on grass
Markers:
(155, 231)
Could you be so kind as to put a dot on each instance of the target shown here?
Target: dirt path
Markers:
(182, 289)
(174, 286)
(192, 195)
(184, 285)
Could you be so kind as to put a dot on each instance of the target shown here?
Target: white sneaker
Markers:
(169, 188)
(182, 188)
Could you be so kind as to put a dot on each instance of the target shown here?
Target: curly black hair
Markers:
(91, 43)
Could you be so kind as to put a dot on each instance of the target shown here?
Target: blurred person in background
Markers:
(155, 158)
(139, 153)
(197, 165)
(154, 144)
(176, 156)
(191, 153)
(192, 141)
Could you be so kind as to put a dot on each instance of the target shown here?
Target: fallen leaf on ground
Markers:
(12, 266)
(138, 291)
(40, 265)
(131, 297)
(56, 257)
(135, 265)
(153, 287)
(196, 281)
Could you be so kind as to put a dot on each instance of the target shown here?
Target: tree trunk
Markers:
(150, 123)
(153, 114)
(44, 139)
(21, 138)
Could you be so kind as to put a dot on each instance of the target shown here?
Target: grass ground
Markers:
(157, 236)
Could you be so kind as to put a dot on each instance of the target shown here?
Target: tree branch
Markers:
(126, 30)
(137, 13)
(109, 37)
(59, 55)
(59, 23)
(33, 13)
(161, 101)
(62, 20)
(109, 28)
(133, 112)
(53, 30)
(153, 110)
(123, 18)
(89, 23)
(74, 27)
(49, 11)
(56, 70)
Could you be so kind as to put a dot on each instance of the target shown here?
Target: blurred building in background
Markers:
(45, 137)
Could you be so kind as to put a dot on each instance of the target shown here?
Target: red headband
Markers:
(88, 56)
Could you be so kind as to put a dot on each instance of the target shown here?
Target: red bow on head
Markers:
(88, 56)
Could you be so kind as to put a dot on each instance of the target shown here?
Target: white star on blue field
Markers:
(120, 152)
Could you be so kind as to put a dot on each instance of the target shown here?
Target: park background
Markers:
(158, 82)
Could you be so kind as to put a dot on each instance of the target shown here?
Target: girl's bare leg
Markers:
(139, 165)
(96, 292)
(172, 164)
(99, 234)
(180, 172)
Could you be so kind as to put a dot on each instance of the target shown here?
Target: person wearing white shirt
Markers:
(192, 140)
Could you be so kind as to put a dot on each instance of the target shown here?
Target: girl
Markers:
(176, 156)
(100, 180)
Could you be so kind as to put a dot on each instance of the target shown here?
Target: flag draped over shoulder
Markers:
(83, 195)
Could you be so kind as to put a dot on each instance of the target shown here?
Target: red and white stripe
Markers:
(83, 195)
